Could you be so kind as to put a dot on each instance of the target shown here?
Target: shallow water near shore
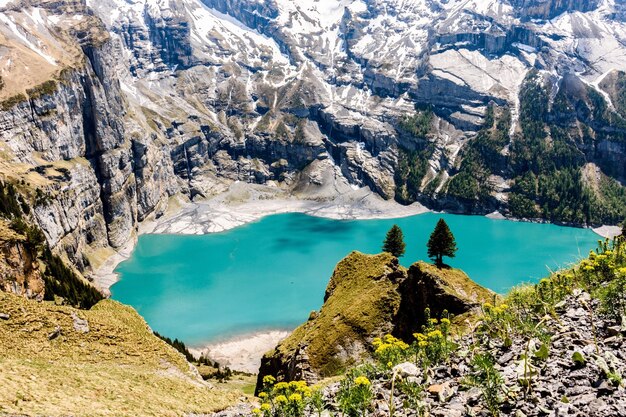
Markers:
(272, 273)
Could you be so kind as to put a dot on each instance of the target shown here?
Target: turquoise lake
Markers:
(272, 273)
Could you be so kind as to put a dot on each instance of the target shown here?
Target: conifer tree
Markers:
(441, 243)
(394, 242)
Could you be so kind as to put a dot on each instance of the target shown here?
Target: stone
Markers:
(614, 330)
(80, 325)
(4, 316)
(407, 369)
(56, 333)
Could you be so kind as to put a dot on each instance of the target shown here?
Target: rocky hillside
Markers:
(57, 360)
(368, 296)
(552, 348)
(112, 107)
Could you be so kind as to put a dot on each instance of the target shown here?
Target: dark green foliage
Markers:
(61, 281)
(178, 345)
(43, 89)
(10, 102)
(10, 201)
(548, 163)
(481, 158)
(413, 163)
(419, 124)
(412, 167)
(394, 242)
(441, 243)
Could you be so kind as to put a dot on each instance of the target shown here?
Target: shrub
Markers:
(389, 351)
(487, 379)
(432, 345)
(355, 394)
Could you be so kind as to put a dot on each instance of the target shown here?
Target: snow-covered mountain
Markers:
(151, 98)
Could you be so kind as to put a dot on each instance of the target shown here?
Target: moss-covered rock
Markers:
(368, 296)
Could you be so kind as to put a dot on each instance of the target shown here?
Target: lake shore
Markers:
(244, 203)
(242, 353)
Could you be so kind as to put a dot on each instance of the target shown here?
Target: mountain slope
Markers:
(125, 104)
(58, 360)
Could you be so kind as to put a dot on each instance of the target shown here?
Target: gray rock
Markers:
(56, 333)
(80, 325)
(407, 369)
(4, 316)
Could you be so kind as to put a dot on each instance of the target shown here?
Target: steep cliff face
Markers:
(368, 296)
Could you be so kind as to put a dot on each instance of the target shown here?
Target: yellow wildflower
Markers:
(281, 386)
(263, 395)
(268, 379)
(419, 336)
(256, 411)
(422, 343)
(445, 321)
(266, 407)
(295, 398)
(362, 381)
(435, 334)
(389, 364)
(281, 399)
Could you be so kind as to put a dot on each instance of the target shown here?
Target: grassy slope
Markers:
(117, 368)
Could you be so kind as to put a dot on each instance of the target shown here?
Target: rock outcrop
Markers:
(368, 296)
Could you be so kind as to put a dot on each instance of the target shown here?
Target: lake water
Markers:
(272, 273)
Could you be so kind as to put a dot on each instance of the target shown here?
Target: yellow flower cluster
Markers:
(497, 310)
(388, 343)
(266, 407)
(362, 381)
(295, 398)
(269, 380)
(281, 399)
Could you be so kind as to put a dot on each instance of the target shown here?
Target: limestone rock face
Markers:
(368, 296)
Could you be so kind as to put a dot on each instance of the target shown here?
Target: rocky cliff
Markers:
(368, 296)
(109, 108)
